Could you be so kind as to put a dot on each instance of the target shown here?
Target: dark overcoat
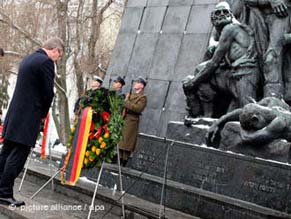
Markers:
(31, 100)
(135, 105)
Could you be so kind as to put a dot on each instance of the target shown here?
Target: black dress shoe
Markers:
(124, 162)
(11, 201)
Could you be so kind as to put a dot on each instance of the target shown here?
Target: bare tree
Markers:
(25, 24)
(64, 118)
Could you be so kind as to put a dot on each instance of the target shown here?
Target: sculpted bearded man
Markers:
(232, 71)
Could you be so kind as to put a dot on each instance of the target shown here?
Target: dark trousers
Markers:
(124, 154)
(12, 161)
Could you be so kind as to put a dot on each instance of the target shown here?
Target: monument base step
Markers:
(191, 200)
(205, 182)
(82, 193)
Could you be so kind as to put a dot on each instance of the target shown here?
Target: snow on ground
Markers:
(60, 148)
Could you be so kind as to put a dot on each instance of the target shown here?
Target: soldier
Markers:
(96, 83)
(117, 85)
(134, 104)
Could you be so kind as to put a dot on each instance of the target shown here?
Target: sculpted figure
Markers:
(231, 73)
(261, 122)
(270, 19)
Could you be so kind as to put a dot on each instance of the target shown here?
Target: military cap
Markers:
(120, 80)
(97, 78)
(141, 80)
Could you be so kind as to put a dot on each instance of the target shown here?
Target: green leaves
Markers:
(107, 106)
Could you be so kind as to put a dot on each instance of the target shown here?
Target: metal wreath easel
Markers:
(120, 184)
(27, 165)
(96, 186)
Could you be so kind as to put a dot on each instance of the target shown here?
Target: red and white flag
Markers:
(46, 139)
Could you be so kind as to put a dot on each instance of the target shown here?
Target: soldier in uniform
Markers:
(96, 83)
(134, 103)
(117, 85)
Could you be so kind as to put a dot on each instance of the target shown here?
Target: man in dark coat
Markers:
(30, 104)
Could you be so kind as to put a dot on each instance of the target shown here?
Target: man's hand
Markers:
(279, 8)
(127, 97)
(212, 132)
(187, 84)
(42, 123)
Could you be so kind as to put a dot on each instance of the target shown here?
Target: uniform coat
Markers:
(31, 100)
(135, 105)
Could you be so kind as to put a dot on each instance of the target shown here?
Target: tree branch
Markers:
(12, 53)
(12, 72)
(59, 87)
(7, 20)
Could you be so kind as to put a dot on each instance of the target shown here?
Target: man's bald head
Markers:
(253, 117)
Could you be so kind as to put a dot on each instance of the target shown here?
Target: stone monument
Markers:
(164, 40)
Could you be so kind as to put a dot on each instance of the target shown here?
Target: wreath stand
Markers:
(25, 170)
(162, 209)
(50, 180)
(27, 165)
(96, 187)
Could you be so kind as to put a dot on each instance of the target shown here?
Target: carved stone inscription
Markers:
(255, 180)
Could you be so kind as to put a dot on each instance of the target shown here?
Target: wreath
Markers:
(106, 126)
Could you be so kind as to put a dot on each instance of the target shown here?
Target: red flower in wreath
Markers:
(92, 127)
(105, 116)
(98, 133)
(105, 127)
(91, 136)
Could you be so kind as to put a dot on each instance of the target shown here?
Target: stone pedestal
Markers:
(194, 133)
(204, 181)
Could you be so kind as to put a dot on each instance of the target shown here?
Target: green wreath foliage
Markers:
(106, 126)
